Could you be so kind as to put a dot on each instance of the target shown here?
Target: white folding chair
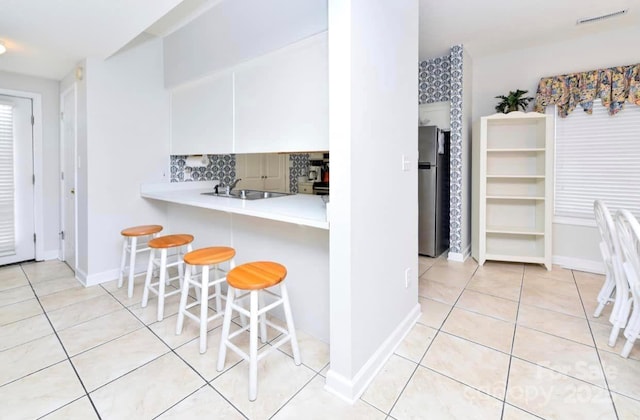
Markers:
(629, 235)
(615, 288)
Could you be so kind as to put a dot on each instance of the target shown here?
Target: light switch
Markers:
(406, 163)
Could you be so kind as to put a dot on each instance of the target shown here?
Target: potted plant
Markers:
(513, 101)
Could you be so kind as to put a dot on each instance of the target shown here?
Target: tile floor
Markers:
(502, 341)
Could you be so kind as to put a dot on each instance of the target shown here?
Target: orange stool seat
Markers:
(132, 247)
(141, 230)
(170, 241)
(257, 275)
(204, 258)
(255, 278)
(162, 244)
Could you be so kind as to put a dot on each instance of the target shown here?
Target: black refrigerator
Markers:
(433, 191)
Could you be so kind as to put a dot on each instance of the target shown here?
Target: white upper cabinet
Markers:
(282, 100)
(202, 117)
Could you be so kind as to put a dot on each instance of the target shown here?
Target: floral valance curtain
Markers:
(613, 86)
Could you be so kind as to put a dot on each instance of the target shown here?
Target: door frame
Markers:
(63, 209)
(38, 190)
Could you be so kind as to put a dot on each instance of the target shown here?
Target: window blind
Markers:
(597, 157)
(7, 208)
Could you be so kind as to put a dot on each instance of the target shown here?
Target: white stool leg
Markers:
(226, 325)
(132, 265)
(163, 273)
(204, 313)
(183, 299)
(263, 317)
(147, 280)
(290, 326)
(123, 260)
(253, 346)
(217, 289)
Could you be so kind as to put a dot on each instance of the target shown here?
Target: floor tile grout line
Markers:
(294, 395)
(604, 374)
(63, 349)
(430, 344)
(172, 350)
(513, 340)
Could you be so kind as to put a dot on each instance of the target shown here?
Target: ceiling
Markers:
(47, 38)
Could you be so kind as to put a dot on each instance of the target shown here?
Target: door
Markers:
(426, 209)
(249, 169)
(17, 228)
(68, 177)
(274, 167)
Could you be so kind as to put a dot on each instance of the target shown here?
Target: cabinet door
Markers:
(249, 169)
(274, 167)
(202, 117)
(282, 100)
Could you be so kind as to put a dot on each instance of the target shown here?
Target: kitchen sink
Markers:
(248, 194)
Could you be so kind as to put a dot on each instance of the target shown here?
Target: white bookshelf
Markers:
(513, 188)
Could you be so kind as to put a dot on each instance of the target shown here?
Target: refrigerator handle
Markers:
(424, 165)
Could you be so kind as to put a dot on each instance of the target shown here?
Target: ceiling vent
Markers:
(602, 17)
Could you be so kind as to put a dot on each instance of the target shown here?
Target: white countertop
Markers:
(301, 209)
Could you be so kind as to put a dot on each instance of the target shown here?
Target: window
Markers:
(7, 208)
(597, 157)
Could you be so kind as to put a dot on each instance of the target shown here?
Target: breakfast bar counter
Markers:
(301, 209)
(292, 230)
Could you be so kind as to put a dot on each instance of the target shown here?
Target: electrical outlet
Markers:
(407, 278)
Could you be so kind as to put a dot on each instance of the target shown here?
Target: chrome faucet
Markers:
(233, 185)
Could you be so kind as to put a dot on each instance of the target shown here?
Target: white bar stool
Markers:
(253, 278)
(204, 258)
(164, 243)
(131, 246)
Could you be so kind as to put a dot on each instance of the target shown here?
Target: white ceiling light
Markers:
(601, 17)
(3, 49)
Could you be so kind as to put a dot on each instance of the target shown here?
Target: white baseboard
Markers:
(103, 277)
(351, 389)
(579, 264)
(52, 254)
(81, 276)
(460, 256)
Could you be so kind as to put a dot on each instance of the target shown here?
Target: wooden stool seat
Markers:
(143, 230)
(256, 275)
(210, 256)
(162, 244)
(170, 241)
(204, 258)
(254, 279)
(131, 247)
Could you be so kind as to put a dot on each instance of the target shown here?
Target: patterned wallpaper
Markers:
(220, 167)
(434, 80)
(455, 161)
(440, 80)
(298, 166)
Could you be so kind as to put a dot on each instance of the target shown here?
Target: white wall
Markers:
(236, 31)
(574, 246)
(50, 150)
(373, 236)
(127, 144)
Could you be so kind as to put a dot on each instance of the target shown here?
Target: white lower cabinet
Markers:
(513, 188)
(262, 171)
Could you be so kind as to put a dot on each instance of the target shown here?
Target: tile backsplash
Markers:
(220, 167)
(298, 166)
